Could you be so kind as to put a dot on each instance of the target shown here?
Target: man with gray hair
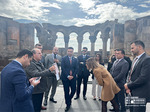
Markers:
(36, 69)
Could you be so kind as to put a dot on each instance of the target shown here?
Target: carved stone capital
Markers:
(66, 39)
(80, 39)
(92, 39)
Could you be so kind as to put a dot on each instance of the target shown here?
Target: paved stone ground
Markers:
(79, 105)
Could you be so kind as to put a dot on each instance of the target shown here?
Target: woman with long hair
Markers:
(109, 86)
(98, 59)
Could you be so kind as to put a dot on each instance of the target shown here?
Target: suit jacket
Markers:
(66, 67)
(82, 67)
(119, 72)
(140, 78)
(104, 79)
(15, 90)
(49, 61)
(36, 69)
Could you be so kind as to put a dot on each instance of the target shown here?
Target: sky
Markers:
(74, 12)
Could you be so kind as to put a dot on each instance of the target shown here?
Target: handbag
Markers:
(132, 101)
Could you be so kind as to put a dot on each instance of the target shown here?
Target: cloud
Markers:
(84, 5)
(147, 1)
(144, 5)
(26, 9)
(122, 1)
(108, 11)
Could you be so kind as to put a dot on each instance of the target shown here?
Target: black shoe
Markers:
(84, 97)
(43, 108)
(52, 100)
(76, 98)
(67, 108)
(45, 102)
(94, 98)
(99, 99)
(123, 110)
(111, 109)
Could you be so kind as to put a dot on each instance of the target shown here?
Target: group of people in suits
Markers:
(21, 91)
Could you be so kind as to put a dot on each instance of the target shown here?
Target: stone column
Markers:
(130, 27)
(92, 40)
(3, 36)
(104, 51)
(50, 41)
(80, 39)
(26, 36)
(118, 39)
(66, 39)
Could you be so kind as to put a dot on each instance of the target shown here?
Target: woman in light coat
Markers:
(109, 86)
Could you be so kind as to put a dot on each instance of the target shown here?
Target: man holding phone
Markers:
(15, 89)
(36, 69)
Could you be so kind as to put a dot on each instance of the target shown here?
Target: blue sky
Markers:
(74, 12)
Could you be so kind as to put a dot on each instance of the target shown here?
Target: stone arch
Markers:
(104, 28)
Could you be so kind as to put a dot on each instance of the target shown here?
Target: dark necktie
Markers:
(70, 64)
(132, 67)
(84, 56)
(55, 56)
(116, 62)
(70, 60)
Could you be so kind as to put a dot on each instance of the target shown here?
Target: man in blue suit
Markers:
(15, 90)
(68, 76)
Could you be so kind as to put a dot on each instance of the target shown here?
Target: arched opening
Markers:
(36, 39)
(108, 44)
(98, 42)
(60, 40)
(86, 41)
(73, 41)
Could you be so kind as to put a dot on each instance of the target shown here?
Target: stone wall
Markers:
(16, 36)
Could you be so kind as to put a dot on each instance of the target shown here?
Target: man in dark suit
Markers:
(83, 74)
(36, 69)
(118, 72)
(138, 82)
(69, 66)
(15, 89)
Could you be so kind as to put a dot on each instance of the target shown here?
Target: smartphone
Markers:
(37, 79)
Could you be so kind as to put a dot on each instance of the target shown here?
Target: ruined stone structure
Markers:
(15, 36)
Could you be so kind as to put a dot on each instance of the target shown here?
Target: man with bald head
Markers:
(50, 59)
(36, 69)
